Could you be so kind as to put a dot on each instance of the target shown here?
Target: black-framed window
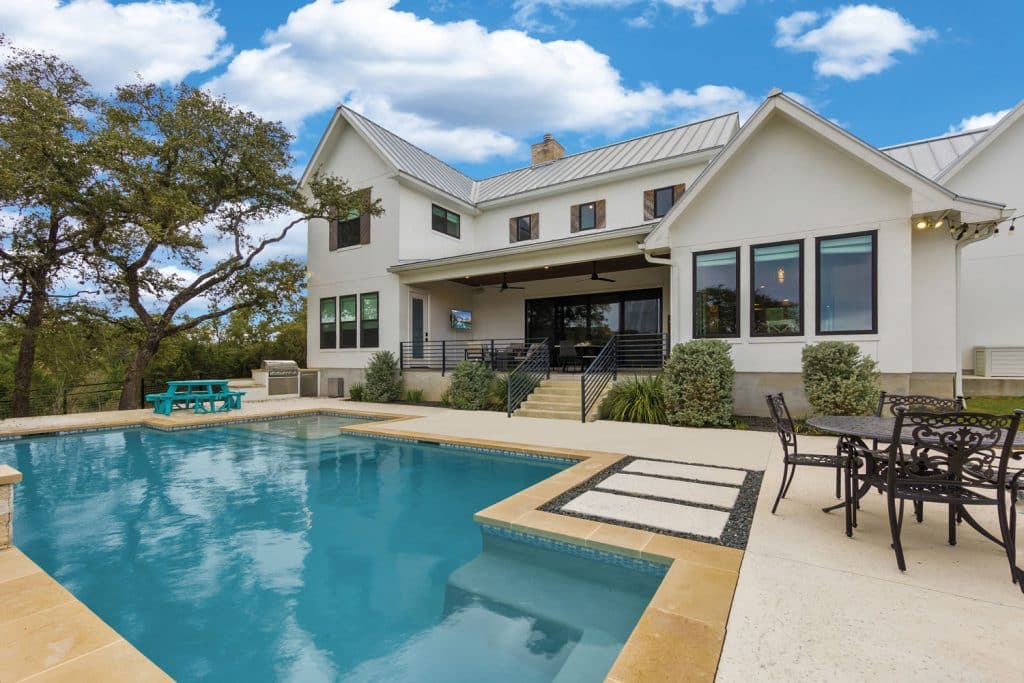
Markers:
(716, 293)
(369, 320)
(328, 323)
(444, 221)
(594, 317)
(348, 230)
(587, 215)
(847, 283)
(347, 321)
(776, 289)
(524, 228)
(664, 198)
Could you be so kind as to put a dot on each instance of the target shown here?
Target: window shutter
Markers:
(512, 230)
(677, 192)
(364, 219)
(574, 218)
(332, 233)
(599, 214)
(534, 226)
(648, 205)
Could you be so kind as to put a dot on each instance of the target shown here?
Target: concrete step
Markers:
(551, 414)
(568, 390)
(533, 404)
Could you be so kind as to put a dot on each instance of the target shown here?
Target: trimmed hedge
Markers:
(470, 388)
(839, 380)
(697, 384)
(383, 384)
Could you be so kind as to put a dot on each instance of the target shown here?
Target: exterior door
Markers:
(419, 330)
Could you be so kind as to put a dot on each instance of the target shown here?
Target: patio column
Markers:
(8, 478)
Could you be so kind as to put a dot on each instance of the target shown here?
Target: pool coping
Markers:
(691, 605)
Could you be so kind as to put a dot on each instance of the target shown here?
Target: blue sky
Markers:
(476, 82)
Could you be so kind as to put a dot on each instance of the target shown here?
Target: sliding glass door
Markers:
(594, 318)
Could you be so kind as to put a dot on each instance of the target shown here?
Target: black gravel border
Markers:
(737, 528)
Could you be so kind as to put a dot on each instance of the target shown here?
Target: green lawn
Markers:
(999, 405)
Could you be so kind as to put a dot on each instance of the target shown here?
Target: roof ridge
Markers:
(935, 138)
(413, 145)
(613, 144)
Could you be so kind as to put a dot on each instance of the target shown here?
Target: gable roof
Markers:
(929, 157)
(993, 133)
(407, 158)
(778, 101)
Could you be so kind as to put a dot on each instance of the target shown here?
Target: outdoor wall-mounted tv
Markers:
(462, 320)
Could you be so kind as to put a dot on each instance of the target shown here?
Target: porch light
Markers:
(938, 223)
(1010, 232)
(780, 275)
(922, 224)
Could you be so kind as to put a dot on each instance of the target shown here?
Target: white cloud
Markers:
(111, 43)
(455, 88)
(529, 13)
(853, 41)
(986, 120)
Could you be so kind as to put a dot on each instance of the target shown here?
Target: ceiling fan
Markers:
(505, 285)
(594, 277)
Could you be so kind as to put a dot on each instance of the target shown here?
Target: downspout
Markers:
(958, 377)
(672, 285)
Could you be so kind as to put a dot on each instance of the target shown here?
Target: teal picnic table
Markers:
(201, 395)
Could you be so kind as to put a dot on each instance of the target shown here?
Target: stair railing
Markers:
(534, 369)
(604, 368)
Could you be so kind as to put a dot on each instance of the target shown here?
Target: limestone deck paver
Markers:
(683, 491)
(47, 634)
(670, 469)
(682, 519)
(814, 605)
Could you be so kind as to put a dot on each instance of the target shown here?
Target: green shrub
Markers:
(470, 386)
(839, 380)
(497, 399)
(697, 384)
(637, 399)
(355, 392)
(414, 395)
(383, 384)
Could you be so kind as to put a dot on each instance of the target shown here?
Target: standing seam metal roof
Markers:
(929, 157)
(674, 142)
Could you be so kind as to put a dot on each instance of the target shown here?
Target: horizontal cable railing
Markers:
(535, 368)
(502, 354)
(601, 370)
(90, 397)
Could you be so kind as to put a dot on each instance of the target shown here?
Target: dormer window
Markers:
(444, 221)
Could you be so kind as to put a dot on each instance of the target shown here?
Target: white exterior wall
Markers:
(991, 270)
(787, 183)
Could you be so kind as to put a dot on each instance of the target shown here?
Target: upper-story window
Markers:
(351, 229)
(658, 202)
(587, 216)
(523, 228)
(444, 221)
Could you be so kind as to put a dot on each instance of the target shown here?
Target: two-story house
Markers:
(782, 232)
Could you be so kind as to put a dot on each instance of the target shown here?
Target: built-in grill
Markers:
(282, 377)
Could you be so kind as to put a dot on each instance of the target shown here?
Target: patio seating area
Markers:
(201, 395)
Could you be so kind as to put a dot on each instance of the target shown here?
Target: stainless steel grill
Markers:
(282, 377)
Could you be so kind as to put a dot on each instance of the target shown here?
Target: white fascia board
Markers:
(435, 193)
(981, 145)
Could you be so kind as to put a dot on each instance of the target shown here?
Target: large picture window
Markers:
(445, 221)
(347, 322)
(328, 323)
(716, 278)
(776, 289)
(847, 284)
(369, 323)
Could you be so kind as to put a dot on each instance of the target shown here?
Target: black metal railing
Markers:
(641, 351)
(595, 378)
(501, 354)
(90, 397)
(534, 369)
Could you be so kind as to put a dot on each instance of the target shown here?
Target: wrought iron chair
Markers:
(567, 356)
(793, 457)
(957, 459)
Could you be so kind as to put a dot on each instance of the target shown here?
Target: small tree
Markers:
(697, 384)
(839, 380)
(383, 384)
(470, 388)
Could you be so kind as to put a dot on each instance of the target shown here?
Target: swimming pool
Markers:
(279, 550)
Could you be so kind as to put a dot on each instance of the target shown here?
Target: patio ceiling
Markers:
(609, 265)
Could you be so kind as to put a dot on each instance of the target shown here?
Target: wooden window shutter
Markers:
(332, 232)
(534, 226)
(677, 192)
(364, 220)
(599, 214)
(512, 232)
(574, 218)
(648, 205)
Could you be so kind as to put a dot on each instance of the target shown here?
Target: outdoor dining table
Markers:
(859, 429)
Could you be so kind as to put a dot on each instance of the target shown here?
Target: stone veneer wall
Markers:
(8, 478)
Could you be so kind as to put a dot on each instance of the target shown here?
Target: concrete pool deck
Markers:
(802, 602)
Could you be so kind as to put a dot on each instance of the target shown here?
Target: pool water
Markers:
(282, 550)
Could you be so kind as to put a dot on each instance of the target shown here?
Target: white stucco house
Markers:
(781, 232)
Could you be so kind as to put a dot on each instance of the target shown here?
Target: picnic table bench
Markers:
(202, 395)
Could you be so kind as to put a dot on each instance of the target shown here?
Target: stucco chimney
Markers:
(547, 149)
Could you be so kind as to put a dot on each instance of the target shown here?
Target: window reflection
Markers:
(777, 285)
(715, 294)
